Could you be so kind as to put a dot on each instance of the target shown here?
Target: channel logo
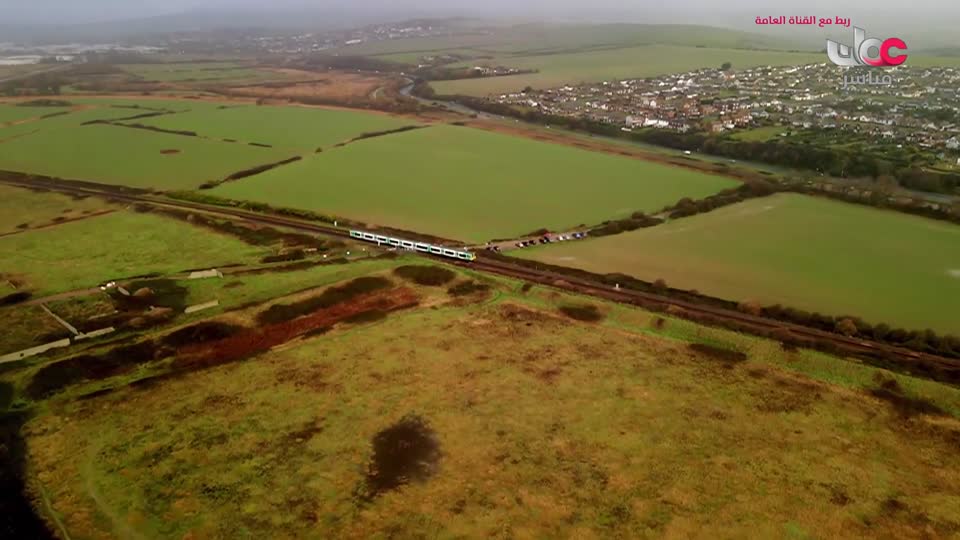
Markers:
(859, 55)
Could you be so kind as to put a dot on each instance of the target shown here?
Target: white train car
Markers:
(421, 247)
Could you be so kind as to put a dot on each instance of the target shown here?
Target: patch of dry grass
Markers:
(538, 427)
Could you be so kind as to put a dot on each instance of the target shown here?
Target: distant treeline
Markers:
(439, 73)
(362, 63)
(45, 103)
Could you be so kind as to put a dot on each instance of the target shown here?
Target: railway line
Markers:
(483, 263)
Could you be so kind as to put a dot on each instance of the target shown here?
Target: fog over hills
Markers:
(925, 24)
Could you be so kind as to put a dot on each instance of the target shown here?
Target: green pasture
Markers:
(542, 38)
(195, 71)
(761, 134)
(14, 113)
(130, 157)
(86, 253)
(472, 185)
(802, 252)
(610, 64)
(301, 128)
(20, 207)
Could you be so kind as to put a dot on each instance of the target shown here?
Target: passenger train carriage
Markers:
(414, 246)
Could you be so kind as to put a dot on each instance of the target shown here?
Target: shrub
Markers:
(55, 377)
(431, 276)
(888, 389)
(334, 295)
(15, 298)
(201, 333)
(586, 313)
(465, 288)
(716, 353)
(293, 255)
(846, 327)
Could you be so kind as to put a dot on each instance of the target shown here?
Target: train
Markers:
(422, 247)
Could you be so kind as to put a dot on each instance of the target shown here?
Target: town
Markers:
(918, 107)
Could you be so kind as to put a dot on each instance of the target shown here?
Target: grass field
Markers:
(472, 185)
(12, 113)
(116, 155)
(234, 291)
(760, 134)
(532, 425)
(202, 71)
(300, 128)
(552, 38)
(63, 147)
(798, 251)
(71, 120)
(22, 206)
(28, 326)
(593, 66)
(86, 253)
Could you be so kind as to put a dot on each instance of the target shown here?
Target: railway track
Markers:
(640, 298)
(561, 281)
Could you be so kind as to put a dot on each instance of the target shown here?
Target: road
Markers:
(484, 263)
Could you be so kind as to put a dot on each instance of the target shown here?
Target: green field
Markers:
(86, 253)
(63, 147)
(301, 128)
(760, 134)
(472, 185)
(12, 113)
(24, 207)
(802, 252)
(116, 155)
(543, 427)
(71, 120)
(28, 326)
(199, 72)
(552, 38)
(620, 63)
(169, 161)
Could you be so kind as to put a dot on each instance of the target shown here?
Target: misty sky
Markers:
(698, 11)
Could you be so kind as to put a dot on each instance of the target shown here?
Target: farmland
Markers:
(62, 146)
(802, 252)
(552, 38)
(18, 114)
(472, 185)
(619, 63)
(524, 422)
(319, 386)
(86, 253)
(297, 128)
(149, 159)
(21, 209)
(197, 72)
(229, 138)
